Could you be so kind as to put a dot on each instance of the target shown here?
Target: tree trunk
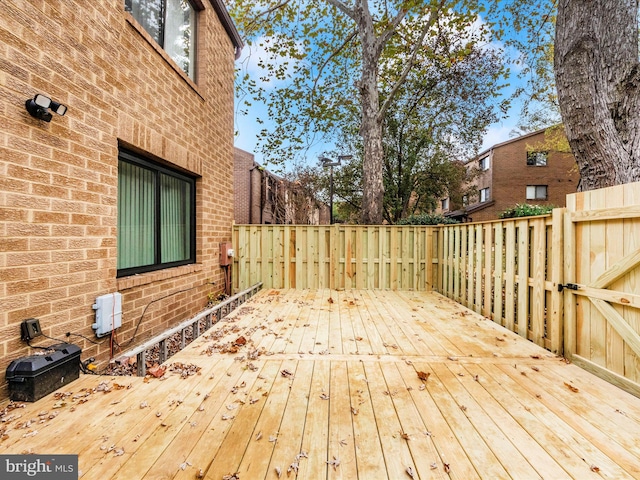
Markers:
(371, 126)
(598, 82)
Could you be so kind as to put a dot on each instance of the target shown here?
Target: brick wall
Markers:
(243, 163)
(509, 176)
(58, 180)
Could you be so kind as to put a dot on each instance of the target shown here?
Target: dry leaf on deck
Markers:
(424, 376)
(571, 387)
(447, 468)
(324, 396)
(335, 463)
(409, 471)
(157, 371)
(330, 300)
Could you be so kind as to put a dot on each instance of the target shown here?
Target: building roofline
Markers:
(229, 26)
(507, 142)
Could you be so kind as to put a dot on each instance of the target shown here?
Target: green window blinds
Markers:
(155, 216)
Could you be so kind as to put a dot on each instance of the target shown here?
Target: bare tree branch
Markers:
(343, 8)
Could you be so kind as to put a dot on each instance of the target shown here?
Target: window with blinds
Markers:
(156, 216)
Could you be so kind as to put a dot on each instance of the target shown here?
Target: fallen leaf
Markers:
(335, 463)
(594, 468)
(409, 471)
(157, 371)
(571, 387)
(405, 436)
(286, 373)
(330, 300)
(258, 436)
(240, 341)
(278, 472)
(433, 466)
(424, 376)
(200, 474)
(500, 339)
(324, 396)
(534, 368)
(447, 468)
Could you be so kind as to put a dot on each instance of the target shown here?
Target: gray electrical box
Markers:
(108, 313)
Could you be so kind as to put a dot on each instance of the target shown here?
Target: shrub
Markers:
(526, 210)
(427, 219)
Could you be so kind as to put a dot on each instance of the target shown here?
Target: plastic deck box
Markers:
(31, 378)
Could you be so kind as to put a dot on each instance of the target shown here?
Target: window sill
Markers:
(125, 283)
(140, 29)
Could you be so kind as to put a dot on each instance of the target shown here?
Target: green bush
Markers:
(526, 210)
(427, 219)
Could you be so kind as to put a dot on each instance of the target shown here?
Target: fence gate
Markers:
(602, 293)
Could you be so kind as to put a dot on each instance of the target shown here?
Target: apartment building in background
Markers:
(526, 169)
(262, 197)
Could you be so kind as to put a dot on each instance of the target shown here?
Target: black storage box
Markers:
(31, 378)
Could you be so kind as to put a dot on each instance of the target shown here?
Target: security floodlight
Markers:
(39, 106)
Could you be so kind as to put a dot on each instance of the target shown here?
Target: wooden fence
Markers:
(337, 256)
(569, 281)
(508, 271)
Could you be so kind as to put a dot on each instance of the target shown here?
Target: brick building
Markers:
(130, 190)
(526, 169)
(262, 197)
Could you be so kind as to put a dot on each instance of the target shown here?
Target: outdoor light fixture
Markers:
(41, 107)
(326, 162)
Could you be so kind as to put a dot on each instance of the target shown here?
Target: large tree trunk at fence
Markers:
(598, 82)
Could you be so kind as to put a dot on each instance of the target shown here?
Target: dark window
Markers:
(156, 216)
(537, 159)
(171, 23)
(484, 163)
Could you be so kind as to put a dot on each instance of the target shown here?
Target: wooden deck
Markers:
(328, 385)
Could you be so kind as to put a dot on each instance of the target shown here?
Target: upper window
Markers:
(156, 216)
(536, 192)
(537, 159)
(445, 204)
(484, 195)
(484, 163)
(171, 23)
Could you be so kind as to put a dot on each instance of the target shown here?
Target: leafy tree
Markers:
(598, 81)
(596, 72)
(317, 47)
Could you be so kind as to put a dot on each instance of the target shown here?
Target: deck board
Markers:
(327, 384)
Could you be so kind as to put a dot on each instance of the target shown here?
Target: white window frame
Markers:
(535, 192)
(484, 163)
(484, 195)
